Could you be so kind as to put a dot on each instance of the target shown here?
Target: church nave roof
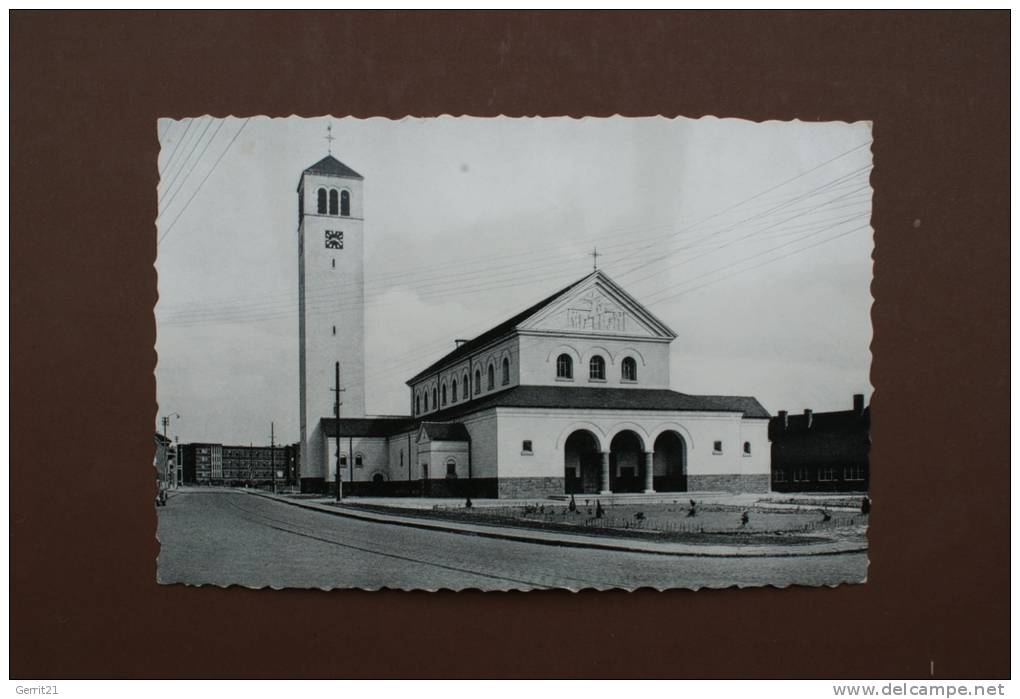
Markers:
(551, 397)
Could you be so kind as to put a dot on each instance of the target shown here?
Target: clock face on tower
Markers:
(334, 240)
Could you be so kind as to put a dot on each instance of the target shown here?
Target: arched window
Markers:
(564, 367)
(345, 203)
(322, 200)
(506, 371)
(747, 448)
(359, 461)
(417, 404)
(453, 391)
(343, 459)
(426, 401)
(478, 381)
(467, 393)
(491, 384)
(451, 468)
(628, 369)
(597, 368)
(444, 394)
(435, 396)
(334, 204)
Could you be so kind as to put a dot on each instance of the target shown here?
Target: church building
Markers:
(571, 395)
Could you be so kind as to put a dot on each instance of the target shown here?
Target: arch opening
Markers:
(626, 459)
(581, 463)
(670, 463)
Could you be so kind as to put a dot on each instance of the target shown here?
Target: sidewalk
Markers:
(534, 536)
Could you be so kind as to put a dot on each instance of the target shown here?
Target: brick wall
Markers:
(730, 482)
(433, 488)
(534, 487)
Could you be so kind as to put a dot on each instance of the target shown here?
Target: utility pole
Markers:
(272, 454)
(166, 452)
(166, 447)
(336, 412)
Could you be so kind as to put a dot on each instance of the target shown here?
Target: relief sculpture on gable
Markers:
(594, 312)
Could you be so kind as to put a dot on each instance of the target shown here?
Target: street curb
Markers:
(400, 521)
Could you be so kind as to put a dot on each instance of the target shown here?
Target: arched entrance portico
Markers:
(581, 463)
(626, 463)
(670, 463)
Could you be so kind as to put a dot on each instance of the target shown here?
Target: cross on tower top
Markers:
(595, 258)
(329, 138)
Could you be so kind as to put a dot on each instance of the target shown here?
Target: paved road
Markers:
(225, 538)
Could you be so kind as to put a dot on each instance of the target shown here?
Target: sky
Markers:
(750, 240)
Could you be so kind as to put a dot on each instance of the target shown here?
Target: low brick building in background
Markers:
(821, 452)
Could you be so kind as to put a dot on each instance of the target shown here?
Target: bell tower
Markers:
(331, 304)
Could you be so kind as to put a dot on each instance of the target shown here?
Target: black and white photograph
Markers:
(356, 346)
(503, 354)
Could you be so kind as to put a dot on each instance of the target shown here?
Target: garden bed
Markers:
(710, 524)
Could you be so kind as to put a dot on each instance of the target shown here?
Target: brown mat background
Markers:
(87, 89)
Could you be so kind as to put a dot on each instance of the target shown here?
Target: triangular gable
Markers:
(442, 432)
(423, 435)
(597, 306)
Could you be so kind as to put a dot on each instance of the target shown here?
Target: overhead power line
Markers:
(332, 299)
(193, 166)
(373, 286)
(177, 145)
(202, 183)
(785, 182)
(184, 164)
